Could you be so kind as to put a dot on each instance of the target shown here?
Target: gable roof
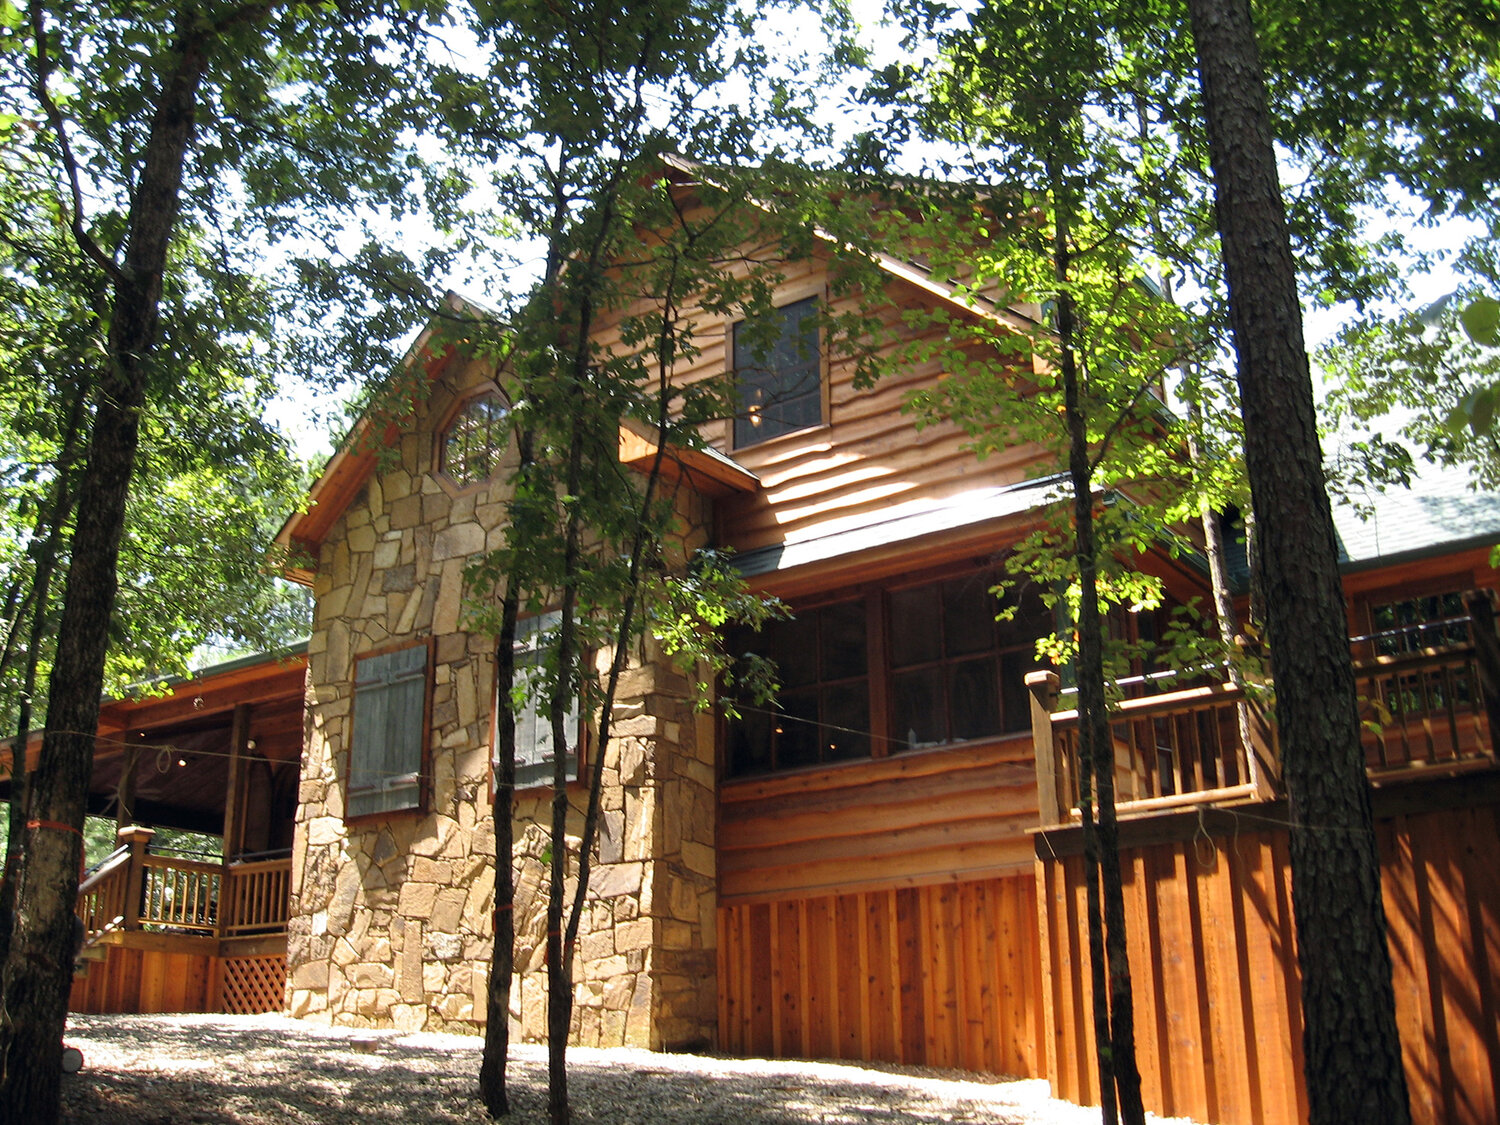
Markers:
(1441, 513)
(352, 464)
(710, 472)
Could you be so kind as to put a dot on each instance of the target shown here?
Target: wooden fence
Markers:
(940, 975)
(1212, 954)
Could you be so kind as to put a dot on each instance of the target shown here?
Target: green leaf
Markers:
(1481, 320)
(1482, 410)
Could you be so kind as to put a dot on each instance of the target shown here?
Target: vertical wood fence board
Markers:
(1248, 1087)
(850, 1028)
(1047, 877)
(820, 994)
(759, 999)
(946, 975)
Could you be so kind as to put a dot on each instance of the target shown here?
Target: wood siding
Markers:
(867, 461)
(941, 975)
(1218, 1025)
(947, 814)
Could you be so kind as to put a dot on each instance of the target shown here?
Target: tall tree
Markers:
(1353, 1054)
(137, 121)
(574, 109)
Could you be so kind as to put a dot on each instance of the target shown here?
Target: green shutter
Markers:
(385, 760)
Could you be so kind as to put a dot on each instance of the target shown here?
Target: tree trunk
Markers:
(49, 532)
(1353, 1055)
(39, 967)
(503, 955)
(1119, 1077)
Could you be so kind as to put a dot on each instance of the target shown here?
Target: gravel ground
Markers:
(269, 1070)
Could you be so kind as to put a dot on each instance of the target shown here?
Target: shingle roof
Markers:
(1438, 514)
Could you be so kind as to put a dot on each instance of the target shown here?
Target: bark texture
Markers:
(1353, 1055)
(38, 968)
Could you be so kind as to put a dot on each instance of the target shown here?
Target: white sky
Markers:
(313, 427)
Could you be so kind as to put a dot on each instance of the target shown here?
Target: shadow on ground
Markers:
(198, 1070)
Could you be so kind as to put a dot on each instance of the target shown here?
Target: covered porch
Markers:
(172, 929)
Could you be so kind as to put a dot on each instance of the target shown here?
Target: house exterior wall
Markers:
(391, 915)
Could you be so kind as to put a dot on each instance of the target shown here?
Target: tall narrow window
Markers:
(534, 742)
(390, 731)
(780, 381)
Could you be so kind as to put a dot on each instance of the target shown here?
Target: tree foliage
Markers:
(581, 110)
(152, 148)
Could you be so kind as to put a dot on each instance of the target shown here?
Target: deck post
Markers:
(1044, 687)
(1486, 655)
(136, 837)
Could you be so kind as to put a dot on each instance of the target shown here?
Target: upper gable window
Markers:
(779, 382)
(474, 441)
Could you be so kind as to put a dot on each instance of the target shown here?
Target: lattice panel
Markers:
(252, 985)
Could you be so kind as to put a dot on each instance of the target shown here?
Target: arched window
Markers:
(475, 439)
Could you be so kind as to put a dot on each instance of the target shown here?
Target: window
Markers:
(534, 747)
(780, 380)
(474, 441)
(950, 673)
(1414, 624)
(390, 731)
(823, 709)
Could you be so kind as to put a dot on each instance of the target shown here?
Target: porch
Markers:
(165, 933)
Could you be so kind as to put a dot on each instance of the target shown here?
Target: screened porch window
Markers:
(890, 671)
(390, 731)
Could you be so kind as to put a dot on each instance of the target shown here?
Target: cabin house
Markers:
(885, 867)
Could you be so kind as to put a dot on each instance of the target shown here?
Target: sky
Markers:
(312, 425)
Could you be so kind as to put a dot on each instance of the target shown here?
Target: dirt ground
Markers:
(268, 1070)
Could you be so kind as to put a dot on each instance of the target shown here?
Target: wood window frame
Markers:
(580, 753)
(450, 483)
(783, 301)
(420, 806)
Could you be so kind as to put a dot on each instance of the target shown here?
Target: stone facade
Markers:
(391, 915)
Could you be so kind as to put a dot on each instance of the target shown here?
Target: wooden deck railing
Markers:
(101, 896)
(258, 895)
(137, 890)
(1423, 708)
(1420, 710)
(1179, 747)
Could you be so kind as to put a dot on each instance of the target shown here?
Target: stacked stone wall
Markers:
(391, 915)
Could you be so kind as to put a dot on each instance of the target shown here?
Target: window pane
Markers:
(915, 627)
(968, 616)
(780, 385)
(917, 709)
(750, 743)
(1032, 619)
(974, 698)
(846, 720)
(1015, 700)
(844, 641)
(796, 648)
(474, 440)
(797, 730)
